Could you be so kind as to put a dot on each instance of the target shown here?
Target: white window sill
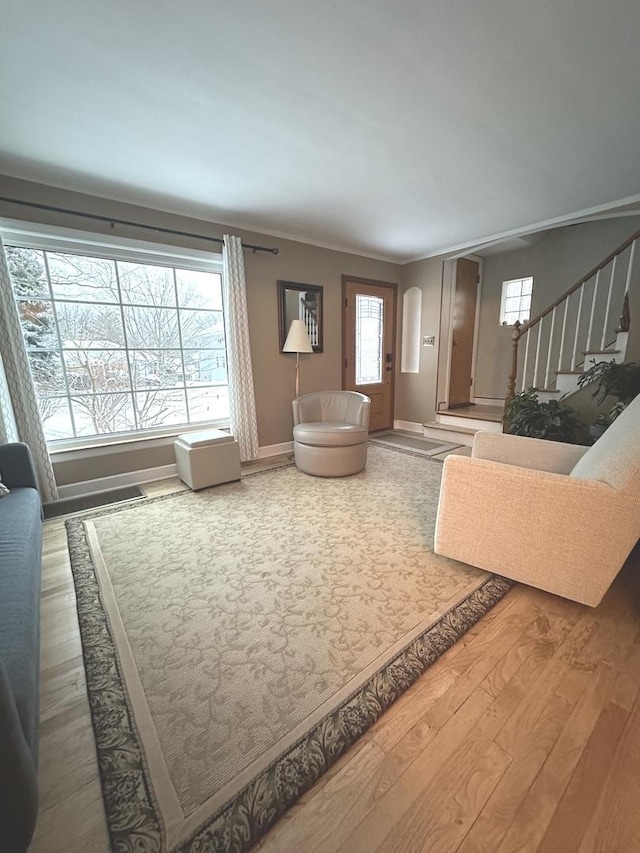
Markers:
(62, 451)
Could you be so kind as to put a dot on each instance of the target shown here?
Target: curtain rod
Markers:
(113, 221)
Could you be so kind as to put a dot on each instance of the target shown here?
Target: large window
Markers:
(118, 346)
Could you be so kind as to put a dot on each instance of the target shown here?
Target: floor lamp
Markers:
(297, 341)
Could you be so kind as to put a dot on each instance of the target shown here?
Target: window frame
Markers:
(54, 239)
(503, 299)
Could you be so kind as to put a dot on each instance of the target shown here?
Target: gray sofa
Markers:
(20, 566)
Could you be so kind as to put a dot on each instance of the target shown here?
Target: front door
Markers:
(368, 345)
(464, 321)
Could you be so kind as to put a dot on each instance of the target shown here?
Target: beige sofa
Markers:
(556, 516)
(330, 433)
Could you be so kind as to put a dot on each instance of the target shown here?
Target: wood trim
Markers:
(585, 278)
(393, 286)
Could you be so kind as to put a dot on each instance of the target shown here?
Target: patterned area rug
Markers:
(237, 641)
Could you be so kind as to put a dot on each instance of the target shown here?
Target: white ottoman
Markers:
(207, 458)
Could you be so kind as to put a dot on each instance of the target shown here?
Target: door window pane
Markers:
(369, 339)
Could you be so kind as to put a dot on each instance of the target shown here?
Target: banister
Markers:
(585, 278)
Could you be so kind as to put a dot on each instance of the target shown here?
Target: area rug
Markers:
(238, 640)
(415, 444)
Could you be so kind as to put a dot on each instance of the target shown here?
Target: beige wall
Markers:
(556, 261)
(274, 372)
(416, 392)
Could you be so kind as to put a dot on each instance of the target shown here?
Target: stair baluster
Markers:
(603, 340)
(574, 356)
(513, 369)
(526, 359)
(537, 361)
(563, 332)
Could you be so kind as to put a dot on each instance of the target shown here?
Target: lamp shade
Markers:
(297, 339)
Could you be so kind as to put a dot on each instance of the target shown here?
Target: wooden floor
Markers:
(525, 736)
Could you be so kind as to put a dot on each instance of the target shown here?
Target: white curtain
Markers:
(242, 402)
(19, 415)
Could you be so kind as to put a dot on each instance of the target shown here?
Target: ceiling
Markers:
(397, 129)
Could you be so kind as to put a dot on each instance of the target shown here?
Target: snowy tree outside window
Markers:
(117, 346)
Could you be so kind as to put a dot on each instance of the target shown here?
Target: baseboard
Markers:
(408, 426)
(117, 481)
(275, 449)
(147, 475)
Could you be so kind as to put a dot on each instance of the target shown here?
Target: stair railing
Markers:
(582, 314)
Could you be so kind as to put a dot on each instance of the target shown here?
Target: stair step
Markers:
(569, 372)
(547, 390)
(601, 352)
(476, 413)
(450, 428)
(448, 432)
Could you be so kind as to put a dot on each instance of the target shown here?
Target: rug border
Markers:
(133, 817)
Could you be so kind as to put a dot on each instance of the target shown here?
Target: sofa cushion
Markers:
(330, 434)
(20, 554)
(615, 457)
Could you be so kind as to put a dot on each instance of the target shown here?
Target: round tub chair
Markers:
(330, 433)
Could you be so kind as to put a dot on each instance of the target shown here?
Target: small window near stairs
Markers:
(516, 300)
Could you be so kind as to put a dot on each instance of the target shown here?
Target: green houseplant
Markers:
(526, 415)
(610, 379)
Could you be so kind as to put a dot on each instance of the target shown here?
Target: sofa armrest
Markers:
(558, 533)
(536, 453)
(16, 466)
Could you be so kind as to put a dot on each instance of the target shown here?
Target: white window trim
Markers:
(503, 298)
(87, 243)
(55, 239)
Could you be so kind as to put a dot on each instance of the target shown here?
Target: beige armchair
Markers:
(330, 433)
(556, 516)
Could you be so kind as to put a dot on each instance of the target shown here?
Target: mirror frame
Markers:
(284, 322)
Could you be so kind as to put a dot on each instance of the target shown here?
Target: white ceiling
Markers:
(395, 128)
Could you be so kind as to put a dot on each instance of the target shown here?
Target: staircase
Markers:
(552, 351)
(580, 327)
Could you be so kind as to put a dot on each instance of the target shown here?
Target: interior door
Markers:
(368, 345)
(463, 326)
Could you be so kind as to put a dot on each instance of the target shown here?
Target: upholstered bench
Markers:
(207, 458)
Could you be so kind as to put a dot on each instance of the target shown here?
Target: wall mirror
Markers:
(301, 302)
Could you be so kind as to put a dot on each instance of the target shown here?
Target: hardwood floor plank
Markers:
(578, 802)
(391, 808)
(615, 823)
(502, 806)
(339, 806)
(533, 817)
